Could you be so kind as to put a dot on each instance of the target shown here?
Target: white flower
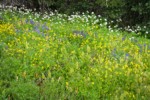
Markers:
(99, 15)
(101, 25)
(131, 38)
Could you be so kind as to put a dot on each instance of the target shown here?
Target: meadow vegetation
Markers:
(78, 57)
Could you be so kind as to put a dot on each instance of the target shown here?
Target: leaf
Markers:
(43, 76)
(88, 48)
(49, 74)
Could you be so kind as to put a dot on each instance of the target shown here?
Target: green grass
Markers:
(42, 58)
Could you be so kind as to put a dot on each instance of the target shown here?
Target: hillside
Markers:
(55, 56)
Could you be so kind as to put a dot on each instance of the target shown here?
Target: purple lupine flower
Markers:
(114, 52)
(127, 56)
(31, 21)
(145, 45)
(37, 30)
(123, 38)
(44, 26)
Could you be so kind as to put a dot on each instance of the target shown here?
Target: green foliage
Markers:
(21, 91)
(55, 56)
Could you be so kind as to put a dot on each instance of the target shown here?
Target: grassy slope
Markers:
(45, 59)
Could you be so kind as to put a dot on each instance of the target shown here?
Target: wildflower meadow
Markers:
(55, 56)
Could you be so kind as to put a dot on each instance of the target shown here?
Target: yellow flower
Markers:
(92, 83)
(67, 83)
(41, 50)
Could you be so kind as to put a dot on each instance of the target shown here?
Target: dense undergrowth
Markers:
(55, 56)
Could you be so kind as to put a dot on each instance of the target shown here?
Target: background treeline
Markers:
(131, 12)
